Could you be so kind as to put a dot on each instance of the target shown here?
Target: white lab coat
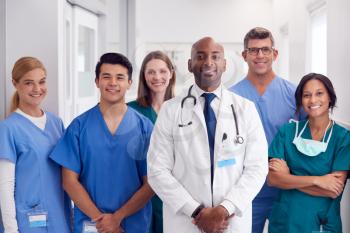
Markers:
(179, 162)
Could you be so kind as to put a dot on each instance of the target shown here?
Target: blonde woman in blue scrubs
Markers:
(310, 163)
(31, 196)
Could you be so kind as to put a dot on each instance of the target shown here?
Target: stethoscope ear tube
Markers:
(189, 95)
(239, 139)
(235, 118)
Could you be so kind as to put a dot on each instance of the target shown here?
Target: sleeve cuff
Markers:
(229, 206)
(189, 208)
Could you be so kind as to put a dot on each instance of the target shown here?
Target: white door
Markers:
(67, 90)
(85, 94)
(80, 51)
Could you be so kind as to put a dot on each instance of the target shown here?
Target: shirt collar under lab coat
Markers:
(215, 104)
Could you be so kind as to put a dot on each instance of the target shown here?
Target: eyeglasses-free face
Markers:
(255, 50)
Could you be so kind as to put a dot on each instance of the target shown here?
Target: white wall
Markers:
(187, 21)
(32, 30)
(112, 26)
(176, 25)
(338, 36)
(2, 59)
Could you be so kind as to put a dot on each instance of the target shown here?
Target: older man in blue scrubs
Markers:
(274, 100)
(103, 155)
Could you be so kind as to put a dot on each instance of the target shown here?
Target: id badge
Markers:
(226, 162)
(89, 227)
(321, 230)
(37, 219)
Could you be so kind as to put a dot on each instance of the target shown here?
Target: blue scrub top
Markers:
(38, 179)
(275, 107)
(110, 167)
(295, 211)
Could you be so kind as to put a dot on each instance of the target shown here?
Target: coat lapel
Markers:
(198, 111)
(224, 117)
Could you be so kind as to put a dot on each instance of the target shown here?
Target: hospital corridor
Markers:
(174, 116)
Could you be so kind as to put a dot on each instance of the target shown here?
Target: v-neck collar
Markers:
(307, 132)
(266, 92)
(154, 115)
(31, 123)
(104, 124)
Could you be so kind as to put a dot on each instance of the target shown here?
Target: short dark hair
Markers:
(323, 79)
(258, 33)
(114, 59)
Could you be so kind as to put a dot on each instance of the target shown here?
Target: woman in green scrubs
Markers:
(309, 161)
(156, 85)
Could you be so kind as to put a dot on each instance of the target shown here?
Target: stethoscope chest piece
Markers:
(239, 139)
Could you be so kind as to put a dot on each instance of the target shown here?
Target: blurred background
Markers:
(70, 35)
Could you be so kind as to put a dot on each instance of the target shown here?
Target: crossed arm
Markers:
(105, 222)
(329, 185)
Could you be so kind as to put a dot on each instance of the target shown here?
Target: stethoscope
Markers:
(238, 139)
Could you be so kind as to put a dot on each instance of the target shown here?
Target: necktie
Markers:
(210, 121)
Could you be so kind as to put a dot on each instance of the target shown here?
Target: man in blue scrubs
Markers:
(103, 155)
(274, 100)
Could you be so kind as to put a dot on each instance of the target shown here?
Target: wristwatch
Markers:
(197, 211)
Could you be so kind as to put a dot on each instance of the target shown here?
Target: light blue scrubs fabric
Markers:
(275, 107)
(110, 167)
(38, 178)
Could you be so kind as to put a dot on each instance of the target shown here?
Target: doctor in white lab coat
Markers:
(200, 193)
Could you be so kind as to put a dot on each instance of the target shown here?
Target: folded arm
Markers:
(321, 192)
(329, 185)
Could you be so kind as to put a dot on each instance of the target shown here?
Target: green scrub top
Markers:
(157, 205)
(146, 111)
(298, 212)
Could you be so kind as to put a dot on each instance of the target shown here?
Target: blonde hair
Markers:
(21, 67)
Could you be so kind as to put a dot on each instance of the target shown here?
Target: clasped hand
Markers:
(108, 223)
(212, 220)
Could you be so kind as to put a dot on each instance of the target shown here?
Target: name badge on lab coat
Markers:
(226, 162)
(89, 227)
(37, 219)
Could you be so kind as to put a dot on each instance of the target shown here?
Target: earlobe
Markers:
(129, 82)
(275, 54)
(244, 55)
(189, 65)
(14, 83)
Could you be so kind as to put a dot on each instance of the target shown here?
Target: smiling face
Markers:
(207, 63)
(31, 89)
(315, 99)
(113, 83)
(260, 63)
(157, 76)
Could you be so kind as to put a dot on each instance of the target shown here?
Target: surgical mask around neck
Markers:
(311, 147)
